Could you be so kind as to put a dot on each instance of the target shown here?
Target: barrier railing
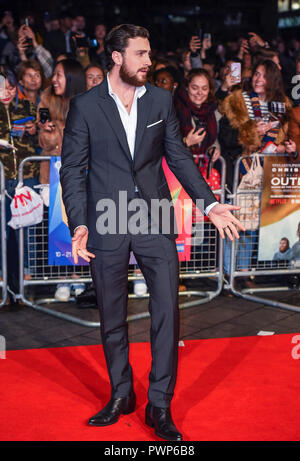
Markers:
(244, 252)
(3, 279)
(206, 262)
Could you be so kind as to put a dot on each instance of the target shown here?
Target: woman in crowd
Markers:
(94, 75)
(246, 127)
(68, 80)
(198, 116)
(22, 140)
(168, 78)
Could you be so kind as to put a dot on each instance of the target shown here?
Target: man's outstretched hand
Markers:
(221, 216)
(79, 241)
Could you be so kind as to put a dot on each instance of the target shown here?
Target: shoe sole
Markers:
(170, 439)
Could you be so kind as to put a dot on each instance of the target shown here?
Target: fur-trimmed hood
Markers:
(234, 107)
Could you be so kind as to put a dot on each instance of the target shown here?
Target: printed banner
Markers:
(279, 238)
(183, 212)
(59, 238)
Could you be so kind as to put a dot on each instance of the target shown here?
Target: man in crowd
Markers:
(30, 78)
(122, 129)
(61, 41)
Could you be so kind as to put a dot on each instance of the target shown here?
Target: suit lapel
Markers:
(143, 110)
(110, 110)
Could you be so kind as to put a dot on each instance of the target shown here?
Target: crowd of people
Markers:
(221, 91)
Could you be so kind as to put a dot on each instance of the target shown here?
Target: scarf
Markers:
(187, 112)
(256, 109)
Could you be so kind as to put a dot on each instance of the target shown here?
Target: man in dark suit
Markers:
(120, 130)
(62, 40)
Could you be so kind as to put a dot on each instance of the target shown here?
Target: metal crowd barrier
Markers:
(206, 261)
(3, 282)
(244, 253)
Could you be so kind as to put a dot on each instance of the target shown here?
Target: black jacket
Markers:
(94, 137)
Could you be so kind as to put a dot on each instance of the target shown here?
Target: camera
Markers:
(86, 42)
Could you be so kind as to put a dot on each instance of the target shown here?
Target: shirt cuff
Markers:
(81, 225)
(210, 207)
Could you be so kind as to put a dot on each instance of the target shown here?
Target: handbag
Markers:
(26, 208)
(249, 204)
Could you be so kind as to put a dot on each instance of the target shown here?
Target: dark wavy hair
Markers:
(117, 39)
(75, 77)
(274, 82)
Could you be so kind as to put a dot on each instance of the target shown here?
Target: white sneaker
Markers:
(63, 293)
(139, 287)
(78, 288)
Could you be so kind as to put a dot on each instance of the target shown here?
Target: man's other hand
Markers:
(221, 216)
(79, 241)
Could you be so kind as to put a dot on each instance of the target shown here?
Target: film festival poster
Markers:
(59, 240)
(280, 210)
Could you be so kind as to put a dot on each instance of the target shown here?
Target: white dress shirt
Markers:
(128, 120)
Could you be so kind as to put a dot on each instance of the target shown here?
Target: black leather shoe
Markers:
(161, 420)
(87, 299)
(112, 411)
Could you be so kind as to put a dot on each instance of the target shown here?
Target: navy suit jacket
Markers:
(94, 139)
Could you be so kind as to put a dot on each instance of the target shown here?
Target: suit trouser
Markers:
(157, 258)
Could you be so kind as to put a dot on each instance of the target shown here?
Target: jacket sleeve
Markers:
(181, 162)
(74, 162)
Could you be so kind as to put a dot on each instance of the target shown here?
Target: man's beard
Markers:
(131, 79)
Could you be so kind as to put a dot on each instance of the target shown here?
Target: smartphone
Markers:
(236, 72)
(207, 36)
(200, 34)
(44, 115)
(199, 124)
(27, 22)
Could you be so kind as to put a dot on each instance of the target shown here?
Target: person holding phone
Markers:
(68, 79)
(196, 109)
(247, 126)
(29, 49)
(228, 80)
(17, 117)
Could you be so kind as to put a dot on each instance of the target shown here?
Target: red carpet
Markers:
(227, 389)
